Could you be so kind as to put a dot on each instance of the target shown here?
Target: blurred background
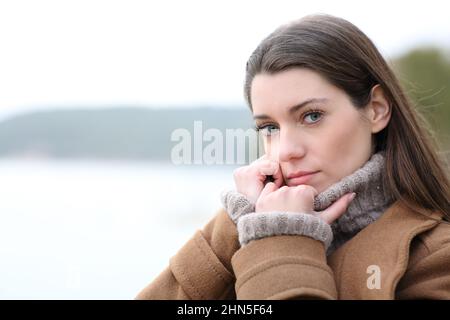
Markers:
(91, 205)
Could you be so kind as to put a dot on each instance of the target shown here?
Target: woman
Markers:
(335, 124)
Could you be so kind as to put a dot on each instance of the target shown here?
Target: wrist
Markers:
(236, 204)
(265, 224)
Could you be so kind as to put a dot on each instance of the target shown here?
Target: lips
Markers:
(299, 174)
(299, 178)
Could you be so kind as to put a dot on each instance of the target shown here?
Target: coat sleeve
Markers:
(427, 276)
(283, 267)
(201, 269)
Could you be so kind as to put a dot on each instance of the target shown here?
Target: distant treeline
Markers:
(113, 133)
(145, 133)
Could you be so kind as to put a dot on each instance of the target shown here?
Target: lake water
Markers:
(97, 230)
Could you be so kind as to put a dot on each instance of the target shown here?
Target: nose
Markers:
(289, 145)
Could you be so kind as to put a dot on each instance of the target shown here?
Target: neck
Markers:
(369, 204)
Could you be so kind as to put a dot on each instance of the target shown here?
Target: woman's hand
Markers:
(299, 199)
(249, 180)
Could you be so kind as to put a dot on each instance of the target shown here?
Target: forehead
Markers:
(288, 87)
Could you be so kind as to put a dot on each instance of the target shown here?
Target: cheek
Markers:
(345, 137)
(271, 147)
(345, 146)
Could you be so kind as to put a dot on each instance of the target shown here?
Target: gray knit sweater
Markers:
(369, 204)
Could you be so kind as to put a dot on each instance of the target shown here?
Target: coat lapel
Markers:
(379, 251)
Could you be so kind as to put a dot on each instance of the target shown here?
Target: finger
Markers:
(273, 169)
(260, 159)
(255, 171)
(314, 190)
(268, 167)
(278, 176)
(310, 190)
(337, 209)
(268, 188)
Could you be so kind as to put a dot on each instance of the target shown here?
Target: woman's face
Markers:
(328, 135)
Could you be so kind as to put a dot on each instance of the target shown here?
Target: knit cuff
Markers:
(265, 224)
(236, 204)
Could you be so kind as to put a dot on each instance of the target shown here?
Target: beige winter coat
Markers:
(402, 255)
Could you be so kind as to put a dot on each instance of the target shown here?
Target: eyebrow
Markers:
(294, 108)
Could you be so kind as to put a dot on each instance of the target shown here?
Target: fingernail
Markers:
(352, 196)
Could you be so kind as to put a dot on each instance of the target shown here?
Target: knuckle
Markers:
(237, 171)
(260, 202)
(241, 171)
(305, 189)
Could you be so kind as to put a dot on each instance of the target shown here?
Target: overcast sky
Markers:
(98, 53)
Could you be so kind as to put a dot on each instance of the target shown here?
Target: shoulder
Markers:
(437, 237)
(434, 237)
(430, 241)
(427, 275)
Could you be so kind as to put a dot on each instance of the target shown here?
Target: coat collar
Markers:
(383, 246)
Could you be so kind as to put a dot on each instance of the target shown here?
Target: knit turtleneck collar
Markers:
(369, 204)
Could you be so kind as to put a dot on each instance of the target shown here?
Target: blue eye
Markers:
(267, 130)
(272, 129)
(316, 116)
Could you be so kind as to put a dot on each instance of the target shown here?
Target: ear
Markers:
(378, 110)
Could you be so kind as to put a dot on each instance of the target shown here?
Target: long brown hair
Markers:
(347, 58)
